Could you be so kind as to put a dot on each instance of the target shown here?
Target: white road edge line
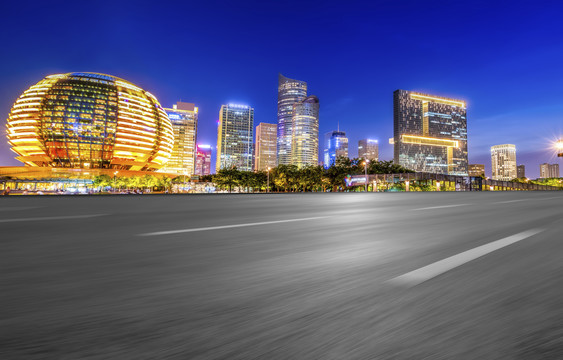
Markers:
(51, 218)
(439, 207)
(229, 226)
(430, 271)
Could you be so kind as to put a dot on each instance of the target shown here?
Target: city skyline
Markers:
(504, 92)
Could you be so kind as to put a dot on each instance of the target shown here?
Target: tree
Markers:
(227, 178)
(102, 181)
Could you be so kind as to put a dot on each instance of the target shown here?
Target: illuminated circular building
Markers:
(91, 121)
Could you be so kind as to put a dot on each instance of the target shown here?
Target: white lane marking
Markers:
(15, 208)
(430, 271)
(229, 226)
(51, 218)
(511, 201)
(439, 207)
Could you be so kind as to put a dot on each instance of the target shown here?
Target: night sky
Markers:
(505, 58)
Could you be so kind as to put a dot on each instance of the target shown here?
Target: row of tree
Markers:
(153, 182)
(290, 178)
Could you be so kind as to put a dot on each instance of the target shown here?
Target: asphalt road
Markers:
(282, 276)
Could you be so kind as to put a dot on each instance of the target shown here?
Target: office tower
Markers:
(476, 170)
(368, 149)
(305, 132)
(265, 154)
(430, 133)
(203, 160)
(89, 121)
(235, 147)
(184, 124)
(520, 171)
(290, 91)
(549, 171)
(503, 162)
(336, 144)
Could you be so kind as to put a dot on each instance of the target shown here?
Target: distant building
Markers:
(290, 91)
(305, 132)
(336, 145)
(183, 117)
(476, 170)
(203, 160)
(368, 149)
(265, 152)
(549, 171)
(503, 162)
(235, 146)
(521, 171)
(430, 133)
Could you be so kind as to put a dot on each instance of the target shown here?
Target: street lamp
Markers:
(366, 173)
(559, 147)
(114, 175)
(268, 183)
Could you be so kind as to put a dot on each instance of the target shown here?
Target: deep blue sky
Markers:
(505, 58)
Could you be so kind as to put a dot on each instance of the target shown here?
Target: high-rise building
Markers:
(184, 124)
(368, 149)
(290, 91)
(430, 133)
(476, 170)
(265, 146)
(503, 162)
(549, 171)
(336, 144)
(520, 171)
(203, 160)
(235, 147)
(305, 132)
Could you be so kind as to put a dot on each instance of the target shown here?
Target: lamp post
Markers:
(268, 182)
(114, 175)
(559, 147)
(366, 173)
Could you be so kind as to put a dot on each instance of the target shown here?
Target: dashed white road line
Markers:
(229, 226)
(16, 208)
(511, 201)
(46, 218)
(430, 271)
(439, 207)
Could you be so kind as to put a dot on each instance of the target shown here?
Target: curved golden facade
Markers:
(88, 120)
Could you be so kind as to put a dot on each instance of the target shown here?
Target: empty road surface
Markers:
(282, 276)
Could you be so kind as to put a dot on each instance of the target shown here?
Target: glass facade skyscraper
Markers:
(265, 147)
(203, 160)
(336, 145)
(305, 132)
(290, 91)
(183, 117)
(503, 162)
(235, 135)
(368, 149)
(430, 133)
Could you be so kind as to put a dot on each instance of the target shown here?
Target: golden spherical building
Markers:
(90, 121)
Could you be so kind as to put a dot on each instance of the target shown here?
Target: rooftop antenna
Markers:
(338, 126)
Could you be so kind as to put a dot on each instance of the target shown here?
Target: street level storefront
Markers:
(50, 179)
(438, 182)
